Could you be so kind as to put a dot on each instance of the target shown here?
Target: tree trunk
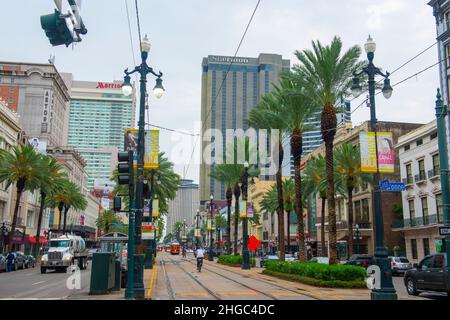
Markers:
(38, 231)
(288, 231)
(328, 128)
(20, 187)
(350, 222)
(280, 211)
(296, 151)
(322, 228)
(66, 210)
(237, 194)
(60, 209)
(229, 196)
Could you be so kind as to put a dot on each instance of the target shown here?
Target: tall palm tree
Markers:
(314, 177)
(328, 72)
(228, 174)
(23, 168)
(52, 181)
(289, 205)
(74, 200)
(348, 159)
(268, 115)
(106, 220)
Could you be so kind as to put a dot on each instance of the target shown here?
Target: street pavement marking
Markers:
(192, 294)
(34, 284)
(149, 292)
(284, 294)
(238, 293)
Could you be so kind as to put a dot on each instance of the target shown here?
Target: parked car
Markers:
(361, 260)
(267, 258)
(290, 258)
(91, 253)
(320, 260)
(30, 261)
(429, 275)
(20, 260)
(2, 263)
(399, 265)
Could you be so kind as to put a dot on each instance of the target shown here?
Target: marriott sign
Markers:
(105, 85)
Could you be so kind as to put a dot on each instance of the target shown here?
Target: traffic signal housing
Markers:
(125, 168)
(117, 204)
(56, 29)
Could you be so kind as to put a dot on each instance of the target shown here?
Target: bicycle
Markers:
(199, 264)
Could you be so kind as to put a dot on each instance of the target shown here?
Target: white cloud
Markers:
(378, 12)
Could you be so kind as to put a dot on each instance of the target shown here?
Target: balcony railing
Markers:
(420, 177)
(433, 174)
(418, 222)
(408, 180)
(343, 225)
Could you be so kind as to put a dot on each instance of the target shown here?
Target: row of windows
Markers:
(422, 169)
(424, 206)
(426, 248)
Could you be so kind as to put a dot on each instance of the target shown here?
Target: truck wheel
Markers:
(43, 270)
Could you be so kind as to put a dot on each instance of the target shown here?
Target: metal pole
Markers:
(211, 253)
(149, 243)
(386, 289)
(441, 113)
(129, 292)
(245, 251)
(197, 227)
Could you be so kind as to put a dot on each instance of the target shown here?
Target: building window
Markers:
(412, 212)
(436, 164)
(408, 147)
(11, 89)
(419, 142)
(10, 100)
(357, 211)
(30, 216)
(434, 136)
(422, 175)
(414, 248)
(426, 247)
(409, 175)
(365, 210)
(447, 20)
(425, 210)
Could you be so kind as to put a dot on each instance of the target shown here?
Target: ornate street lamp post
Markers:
(197, 229)
(245, 251)
(210, 229)
(357, 237)
(158, 91)
(386, 289)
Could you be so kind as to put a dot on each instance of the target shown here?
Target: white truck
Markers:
(64, 252)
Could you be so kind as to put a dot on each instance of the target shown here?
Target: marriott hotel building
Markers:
(99, 114)
(248, 79)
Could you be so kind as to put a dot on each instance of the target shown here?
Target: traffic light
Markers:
(56, 29)
(125, 168)
(117, 204)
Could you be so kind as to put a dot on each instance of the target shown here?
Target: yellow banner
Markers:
(368, 152)
(155, 208)
(243, 209)
(386, 152)
(151, 149)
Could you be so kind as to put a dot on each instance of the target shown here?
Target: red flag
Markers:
(253, 243)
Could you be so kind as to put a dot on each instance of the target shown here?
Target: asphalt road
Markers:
(31, 284)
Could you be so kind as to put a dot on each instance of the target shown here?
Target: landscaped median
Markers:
(233, 261)
(318, 275)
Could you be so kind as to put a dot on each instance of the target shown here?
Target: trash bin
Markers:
(118, 275)
(102, 273)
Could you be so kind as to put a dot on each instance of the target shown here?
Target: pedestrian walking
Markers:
(10, 259)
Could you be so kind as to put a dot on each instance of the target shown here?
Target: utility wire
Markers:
(138, 24)
(221, 85)
(130, 33)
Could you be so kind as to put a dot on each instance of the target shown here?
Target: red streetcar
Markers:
(175, 248)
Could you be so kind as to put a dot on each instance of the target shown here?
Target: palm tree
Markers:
(328, 72)
(106, 220)
(289, 205)
(228, 174)
(51, 181)
(74, 200)
(314, 177)
(268, 115)
(348, 161)
(23, 168)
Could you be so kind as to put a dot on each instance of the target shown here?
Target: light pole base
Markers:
(139, 290)
(245, 260)
(149, 255)
(383, 295)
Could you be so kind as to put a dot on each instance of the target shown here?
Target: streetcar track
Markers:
(265, 281)
(217, 297)
(167, 281)
(244, 285)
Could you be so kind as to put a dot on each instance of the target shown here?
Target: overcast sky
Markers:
(183, 32)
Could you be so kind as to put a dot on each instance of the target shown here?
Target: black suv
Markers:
(429, 275)
(360, 260)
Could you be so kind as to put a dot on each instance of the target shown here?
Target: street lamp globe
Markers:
(127, 89)
(211, 197)
(158, 90)
(145, 45)
(387, 88)
(246, 164)
(370, 45)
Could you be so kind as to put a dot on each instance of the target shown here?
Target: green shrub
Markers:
(233, 260)
(318, 271)
(353, 284)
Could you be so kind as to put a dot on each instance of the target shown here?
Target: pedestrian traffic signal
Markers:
(117, 204)
(56, 29)
(125, 167)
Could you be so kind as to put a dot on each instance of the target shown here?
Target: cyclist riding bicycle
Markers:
(200, 254)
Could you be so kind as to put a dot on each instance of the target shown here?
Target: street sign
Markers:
(387, 186)
(444, 231)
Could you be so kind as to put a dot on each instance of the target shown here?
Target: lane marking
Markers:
(34, 284)
(152, 278)
(192, 294)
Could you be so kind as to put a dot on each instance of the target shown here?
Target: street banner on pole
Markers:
(386, 152)
(151, 149)
(250, 210)
(148, 231)
(243, 209)
(209, 224)
(155, 212)
(198, 233)
(368, 152)
(146, 208)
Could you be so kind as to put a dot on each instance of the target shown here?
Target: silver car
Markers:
(399, 265)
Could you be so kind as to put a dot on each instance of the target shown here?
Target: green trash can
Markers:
(117, 275)
(102, 273)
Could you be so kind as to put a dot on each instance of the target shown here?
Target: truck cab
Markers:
(64, 252)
